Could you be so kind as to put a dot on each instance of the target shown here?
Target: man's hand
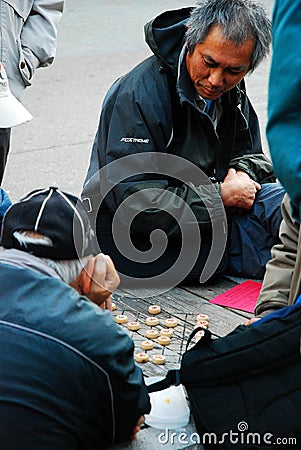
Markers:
(250, 321)
(239, 190)
(98, 280)
(137, 428)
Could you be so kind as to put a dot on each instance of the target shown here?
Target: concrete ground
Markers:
(98, 41)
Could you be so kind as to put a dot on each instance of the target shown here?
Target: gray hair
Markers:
(240, 20)
(67, 270)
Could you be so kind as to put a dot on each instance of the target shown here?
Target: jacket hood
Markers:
(165, 35)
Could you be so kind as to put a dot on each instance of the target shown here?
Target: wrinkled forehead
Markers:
(224, 51)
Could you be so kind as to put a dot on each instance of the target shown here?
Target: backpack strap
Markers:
(205, 339)
(172, 379)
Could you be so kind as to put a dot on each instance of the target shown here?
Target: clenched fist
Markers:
(239, 190)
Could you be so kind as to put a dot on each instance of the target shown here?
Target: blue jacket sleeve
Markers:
(284, 118)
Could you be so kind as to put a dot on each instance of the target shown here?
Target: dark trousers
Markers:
(255, 232)
(4, 149)
(252, 234)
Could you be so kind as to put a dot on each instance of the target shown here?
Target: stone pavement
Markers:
(98, 42)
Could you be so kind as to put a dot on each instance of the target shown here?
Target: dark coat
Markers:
(67, 375)
(150, 111)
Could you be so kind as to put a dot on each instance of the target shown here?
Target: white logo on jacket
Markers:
(132, 139)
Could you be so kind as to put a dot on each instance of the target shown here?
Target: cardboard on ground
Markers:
(242, 297)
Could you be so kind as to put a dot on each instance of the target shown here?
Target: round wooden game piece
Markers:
(121, 318)
(133, 326)
(202, 323)
(147, 345)
(154, 309)
(158, 359)
(151, 334)
(152, 321)
(166, 332)
(171, 322)
(113, 306)
(141, 357)
(163, 340)
(199, 335)
(200, 317)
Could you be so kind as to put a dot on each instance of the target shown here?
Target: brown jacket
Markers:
(281, 284)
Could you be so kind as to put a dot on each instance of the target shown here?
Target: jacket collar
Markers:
(26, 261)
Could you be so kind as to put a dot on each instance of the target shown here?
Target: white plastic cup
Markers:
(169, 407)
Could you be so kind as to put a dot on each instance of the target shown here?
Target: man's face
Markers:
(216, 65)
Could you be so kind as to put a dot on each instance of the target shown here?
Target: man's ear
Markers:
(186, 45)
(85, 276)
(83, 281)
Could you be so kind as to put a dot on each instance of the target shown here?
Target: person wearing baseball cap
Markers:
(67, 369)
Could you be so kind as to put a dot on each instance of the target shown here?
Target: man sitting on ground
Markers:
(179, 145)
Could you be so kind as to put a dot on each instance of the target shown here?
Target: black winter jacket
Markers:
(151, 111)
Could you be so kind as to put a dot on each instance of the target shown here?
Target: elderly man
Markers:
(188, 101)
(68, 379)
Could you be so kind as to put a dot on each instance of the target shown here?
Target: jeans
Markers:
(255, 232)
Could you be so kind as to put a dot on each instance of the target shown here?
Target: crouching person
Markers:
(67, 375)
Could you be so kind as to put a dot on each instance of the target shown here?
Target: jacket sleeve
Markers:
(39, 34)
(248, 155)
(131, 399)
(257, 166)
(276, 286)
(108, 345)
(131, 124)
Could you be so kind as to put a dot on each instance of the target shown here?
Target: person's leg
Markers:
(4, 149)
(254, 233)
